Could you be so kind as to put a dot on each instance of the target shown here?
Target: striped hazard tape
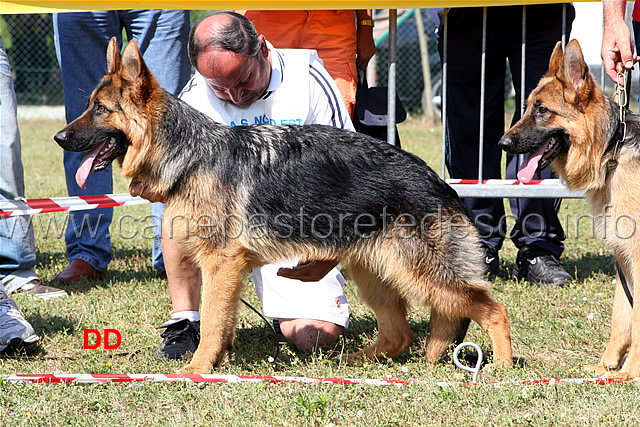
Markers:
(63, 204)
(213, 378)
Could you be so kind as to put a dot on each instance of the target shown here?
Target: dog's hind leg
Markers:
(492, 317)
(444, 331)
(223, 277)
(394, 335)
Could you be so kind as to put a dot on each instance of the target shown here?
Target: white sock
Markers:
(192, 316)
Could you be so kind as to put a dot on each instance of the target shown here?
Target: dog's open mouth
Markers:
(540, 159)
(99, 158)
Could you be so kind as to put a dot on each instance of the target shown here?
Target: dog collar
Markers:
(615, 143)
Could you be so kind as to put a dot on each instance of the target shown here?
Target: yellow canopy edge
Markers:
(42, 6)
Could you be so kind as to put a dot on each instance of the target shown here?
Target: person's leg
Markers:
(332, 33)
(81, 41)
(17, 245)
(182, 331)
(311, 315)
(162, 37)
(464, 34)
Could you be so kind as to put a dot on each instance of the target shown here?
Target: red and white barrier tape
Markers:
(63, 204)
(502, 182)
(213, 378)
(75, 203)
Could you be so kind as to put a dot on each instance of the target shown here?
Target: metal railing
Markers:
(477, 186)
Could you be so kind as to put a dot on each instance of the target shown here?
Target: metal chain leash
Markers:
(619, 96)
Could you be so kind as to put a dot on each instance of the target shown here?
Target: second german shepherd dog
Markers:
(571, 125)
(246, 196)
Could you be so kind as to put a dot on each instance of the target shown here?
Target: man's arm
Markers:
(617, 46)
(366, 45)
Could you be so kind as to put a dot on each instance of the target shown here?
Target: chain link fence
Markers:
(412, 24)
(28, 40)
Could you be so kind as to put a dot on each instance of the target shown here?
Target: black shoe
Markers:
(539, 267)
(491, 262)
(178, 339)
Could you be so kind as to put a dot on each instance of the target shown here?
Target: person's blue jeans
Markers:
(81, 40)
(17, 245)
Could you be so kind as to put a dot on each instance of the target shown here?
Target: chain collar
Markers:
(620, 96)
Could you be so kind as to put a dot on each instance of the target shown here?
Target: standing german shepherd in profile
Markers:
(572, 126)
(246, 196)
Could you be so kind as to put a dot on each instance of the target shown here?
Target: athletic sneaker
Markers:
(491, 262)
(36, 289)
(178, 339)
(15, 331)
(539, 267)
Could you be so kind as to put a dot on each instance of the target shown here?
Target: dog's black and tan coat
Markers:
(571, 125)
(239, 197)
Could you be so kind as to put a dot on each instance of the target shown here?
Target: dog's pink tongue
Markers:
(528, 169)
(85, 167)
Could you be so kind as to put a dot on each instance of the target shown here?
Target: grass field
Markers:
(554, 332)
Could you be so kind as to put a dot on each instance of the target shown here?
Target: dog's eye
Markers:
(99, 108)
(543, 110)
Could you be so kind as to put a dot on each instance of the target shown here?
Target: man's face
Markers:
(236, 78)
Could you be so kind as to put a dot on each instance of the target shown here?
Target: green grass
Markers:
(554, 331)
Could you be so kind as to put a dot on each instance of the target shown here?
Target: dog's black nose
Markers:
(61, 137)
(505, 143)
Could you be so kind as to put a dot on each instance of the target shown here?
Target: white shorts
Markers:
(284, 298)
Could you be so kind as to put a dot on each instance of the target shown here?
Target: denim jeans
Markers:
(17, 246)
(81, 40)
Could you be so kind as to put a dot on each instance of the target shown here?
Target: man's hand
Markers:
(617, 46)
(137, 189)
(311, 271)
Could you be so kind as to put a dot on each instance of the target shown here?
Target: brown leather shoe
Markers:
(79, 270)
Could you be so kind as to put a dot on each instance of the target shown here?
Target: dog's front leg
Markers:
(631, 366)
(223, 277)
(619, 336)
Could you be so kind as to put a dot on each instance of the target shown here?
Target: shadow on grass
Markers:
(127, 265)
(589, 263)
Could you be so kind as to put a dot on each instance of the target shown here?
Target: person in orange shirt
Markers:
(342, 38)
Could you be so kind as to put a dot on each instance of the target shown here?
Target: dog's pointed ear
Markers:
(576, 71)
(557, 58)
(113, 56)
(132, 63)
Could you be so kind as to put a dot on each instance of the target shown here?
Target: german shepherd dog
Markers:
(572, 126)
(250, 195)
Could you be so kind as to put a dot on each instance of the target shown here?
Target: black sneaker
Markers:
(491, 262)
(539, 267)
(178, 339)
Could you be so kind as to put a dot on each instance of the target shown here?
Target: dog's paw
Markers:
(194, 369)
(597, 370)
(616, 375)
(352, 358)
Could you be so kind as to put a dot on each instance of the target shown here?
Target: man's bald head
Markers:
(225, 31)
